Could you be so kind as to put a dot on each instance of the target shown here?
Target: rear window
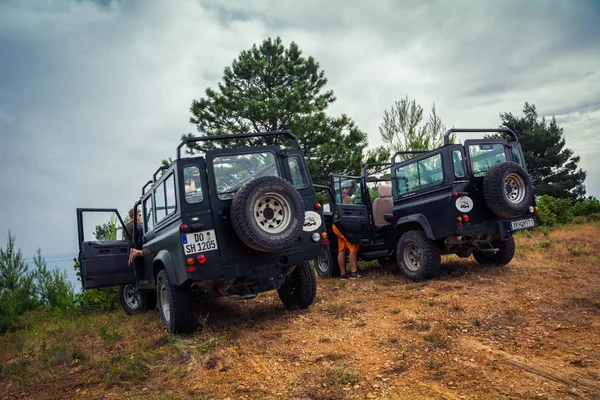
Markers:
(231, 172)
(192, 184)
(485, 156)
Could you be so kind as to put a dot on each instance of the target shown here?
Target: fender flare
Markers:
(164, 257)
(415, 218)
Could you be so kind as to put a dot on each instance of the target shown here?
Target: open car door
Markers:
(104, 261)
(352, 217)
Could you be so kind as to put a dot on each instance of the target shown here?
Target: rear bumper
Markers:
(501, 228)
(256, 266)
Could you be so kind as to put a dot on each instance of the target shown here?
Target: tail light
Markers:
(323, 235)
(191, 269)
(190, 261)
(201, 258)
(184, 228)
(325, 241)
(455, 195)
(317, 206)
(465, 218)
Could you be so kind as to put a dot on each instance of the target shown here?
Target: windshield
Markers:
(485, 156)
(231, 172)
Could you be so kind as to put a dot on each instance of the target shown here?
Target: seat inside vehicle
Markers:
(382, 205)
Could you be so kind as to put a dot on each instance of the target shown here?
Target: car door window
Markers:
(148, 217)
(347, 190)
(298, 176)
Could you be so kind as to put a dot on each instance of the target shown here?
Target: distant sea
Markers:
(60, 261)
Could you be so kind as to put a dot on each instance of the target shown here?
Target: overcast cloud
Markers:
(93, 95)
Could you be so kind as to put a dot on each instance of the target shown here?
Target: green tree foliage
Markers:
(107, 231)
(270, 87)
(552, 167)
(17, 288)
(553, 211)
(52, 287)
(403, 129)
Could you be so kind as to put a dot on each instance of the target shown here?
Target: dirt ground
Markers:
(530, 330)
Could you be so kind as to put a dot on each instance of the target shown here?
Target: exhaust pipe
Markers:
(195, 287)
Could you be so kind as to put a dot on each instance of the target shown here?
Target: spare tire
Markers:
(507, 189)
(267, 214)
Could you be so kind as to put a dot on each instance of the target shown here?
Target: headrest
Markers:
(384, 191)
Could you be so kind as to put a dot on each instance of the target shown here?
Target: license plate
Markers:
(198, 242)
(521, 224)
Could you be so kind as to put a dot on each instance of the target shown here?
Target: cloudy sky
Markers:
(94, 94)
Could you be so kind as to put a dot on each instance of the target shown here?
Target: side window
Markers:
(420, 174)
(192, 185)
(516, 153)
(347, 190)
(170, 192)
(148, 218)
(459, 165)
(164, 196)
(159, 196)
(298, 176)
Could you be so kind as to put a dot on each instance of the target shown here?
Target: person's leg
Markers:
(353, 260)
(341, 259)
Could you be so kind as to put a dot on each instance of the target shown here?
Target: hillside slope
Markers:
(528, 330)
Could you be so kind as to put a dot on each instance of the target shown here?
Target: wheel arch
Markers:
(163, 261)
(413, 222)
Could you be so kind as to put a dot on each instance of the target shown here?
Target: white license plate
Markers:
(199, 242)
(521, 224)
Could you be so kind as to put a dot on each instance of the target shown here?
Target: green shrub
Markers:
(552, 211)
(53, 288)
(584, 208)
(595, 217)
(578, 220)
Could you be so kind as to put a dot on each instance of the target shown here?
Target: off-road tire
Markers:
(180, 316)
(425, 264)
(326, 264)
(504, 255)
(249, 221)
(299, 288)
(498, 179)
(134, 302)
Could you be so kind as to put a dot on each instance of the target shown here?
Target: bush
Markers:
(595, 217)
(584, 208)
(578, 220)
(17, 289)
(552, 211)
(53, 288)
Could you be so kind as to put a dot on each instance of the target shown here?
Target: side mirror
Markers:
(389, 218)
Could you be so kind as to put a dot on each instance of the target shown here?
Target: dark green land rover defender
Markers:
(232, 222)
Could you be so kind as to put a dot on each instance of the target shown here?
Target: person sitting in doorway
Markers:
(135, 233)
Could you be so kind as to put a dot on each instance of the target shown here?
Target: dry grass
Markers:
(527, 330)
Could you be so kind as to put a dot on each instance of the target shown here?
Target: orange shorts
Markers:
(343, 242)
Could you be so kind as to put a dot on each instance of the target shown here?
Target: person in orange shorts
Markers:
(344, 244)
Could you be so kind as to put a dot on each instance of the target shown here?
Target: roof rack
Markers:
(400, 153)
(233, 137)
(478, 130)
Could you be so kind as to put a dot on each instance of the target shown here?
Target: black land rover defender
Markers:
(234, 222)
(458, 199)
